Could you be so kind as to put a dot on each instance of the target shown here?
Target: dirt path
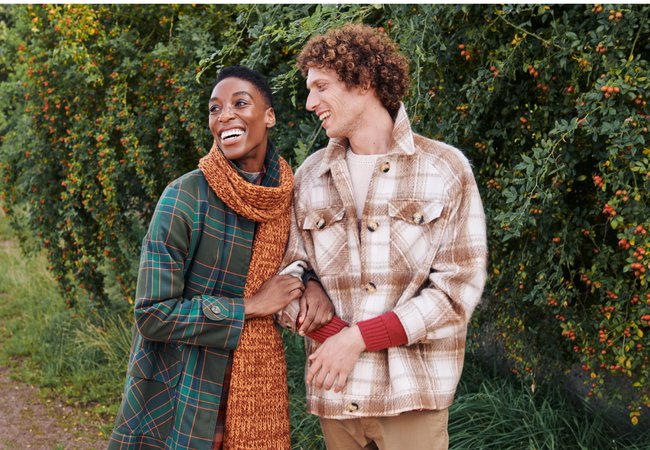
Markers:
(29, 422)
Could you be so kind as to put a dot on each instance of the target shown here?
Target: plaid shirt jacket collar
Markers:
(403, 143)
(419, 250)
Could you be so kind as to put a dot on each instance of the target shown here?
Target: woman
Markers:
(207, 367)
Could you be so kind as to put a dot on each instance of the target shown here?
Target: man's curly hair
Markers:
(361, 56)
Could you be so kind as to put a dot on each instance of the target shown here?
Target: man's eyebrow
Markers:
(315, 81)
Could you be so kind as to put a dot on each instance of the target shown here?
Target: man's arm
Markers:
(457, 274)
(456, 281)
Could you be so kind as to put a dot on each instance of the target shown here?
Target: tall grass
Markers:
(491, 412)
(82, 354)
(63, 350)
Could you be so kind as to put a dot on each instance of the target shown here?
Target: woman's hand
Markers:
(276, 293)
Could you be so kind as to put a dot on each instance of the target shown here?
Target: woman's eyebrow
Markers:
(242, 93)
(214, 99)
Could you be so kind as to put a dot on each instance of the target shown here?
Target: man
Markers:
(391, 225)
(207, 363)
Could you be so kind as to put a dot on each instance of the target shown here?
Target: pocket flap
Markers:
(417, 212)
(157, 361)
(323, 218)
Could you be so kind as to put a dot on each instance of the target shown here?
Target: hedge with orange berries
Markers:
(103, 105)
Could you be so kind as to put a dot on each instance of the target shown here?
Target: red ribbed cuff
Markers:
(382, 332)
(328, 330)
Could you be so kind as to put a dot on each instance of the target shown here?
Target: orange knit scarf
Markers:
(257, 416)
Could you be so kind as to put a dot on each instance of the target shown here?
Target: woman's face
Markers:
(239, 121)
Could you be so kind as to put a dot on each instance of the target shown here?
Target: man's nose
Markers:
(312, 102)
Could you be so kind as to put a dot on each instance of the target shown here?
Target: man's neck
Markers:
(374, 136)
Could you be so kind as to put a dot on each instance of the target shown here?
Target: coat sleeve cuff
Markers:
(229, 311)
(382, 332)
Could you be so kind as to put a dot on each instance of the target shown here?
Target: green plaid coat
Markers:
(189, 315)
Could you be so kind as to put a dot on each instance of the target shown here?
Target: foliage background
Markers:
(102, 105)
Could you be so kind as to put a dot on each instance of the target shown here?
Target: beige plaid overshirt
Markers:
(419, 250)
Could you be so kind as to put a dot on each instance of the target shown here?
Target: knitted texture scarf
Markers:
(257, 415)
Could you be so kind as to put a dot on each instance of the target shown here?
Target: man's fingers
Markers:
(294, 289)
(296, 285)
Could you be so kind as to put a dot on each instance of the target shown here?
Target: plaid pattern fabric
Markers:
(189, 315)
(421, 252)
(219, 431)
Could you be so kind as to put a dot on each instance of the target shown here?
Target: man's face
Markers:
(239, 121)
(339, 108)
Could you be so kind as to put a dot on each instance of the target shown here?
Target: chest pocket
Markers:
(326, 226)
(413, 231)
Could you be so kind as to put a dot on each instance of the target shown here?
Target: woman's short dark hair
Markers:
(252, 76)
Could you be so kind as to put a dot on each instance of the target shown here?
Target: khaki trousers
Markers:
(413, 430)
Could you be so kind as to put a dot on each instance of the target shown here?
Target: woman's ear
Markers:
(269, 117)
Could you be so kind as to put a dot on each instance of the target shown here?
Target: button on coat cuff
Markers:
(219, 309)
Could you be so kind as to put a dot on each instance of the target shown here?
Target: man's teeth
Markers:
(231, 133)
(324, 116)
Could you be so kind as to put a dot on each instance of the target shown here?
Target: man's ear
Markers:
(269, 117)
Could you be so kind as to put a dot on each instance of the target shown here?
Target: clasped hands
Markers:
(330, 365)
(278, 291)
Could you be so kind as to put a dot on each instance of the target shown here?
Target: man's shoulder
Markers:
(442, 155)
(312, 164)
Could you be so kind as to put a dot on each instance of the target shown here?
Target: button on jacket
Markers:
(423, 256)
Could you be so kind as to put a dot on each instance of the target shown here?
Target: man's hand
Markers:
(316, 309)
(276, 293)
(331, 364)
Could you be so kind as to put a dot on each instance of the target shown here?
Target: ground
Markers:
(28, 420)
